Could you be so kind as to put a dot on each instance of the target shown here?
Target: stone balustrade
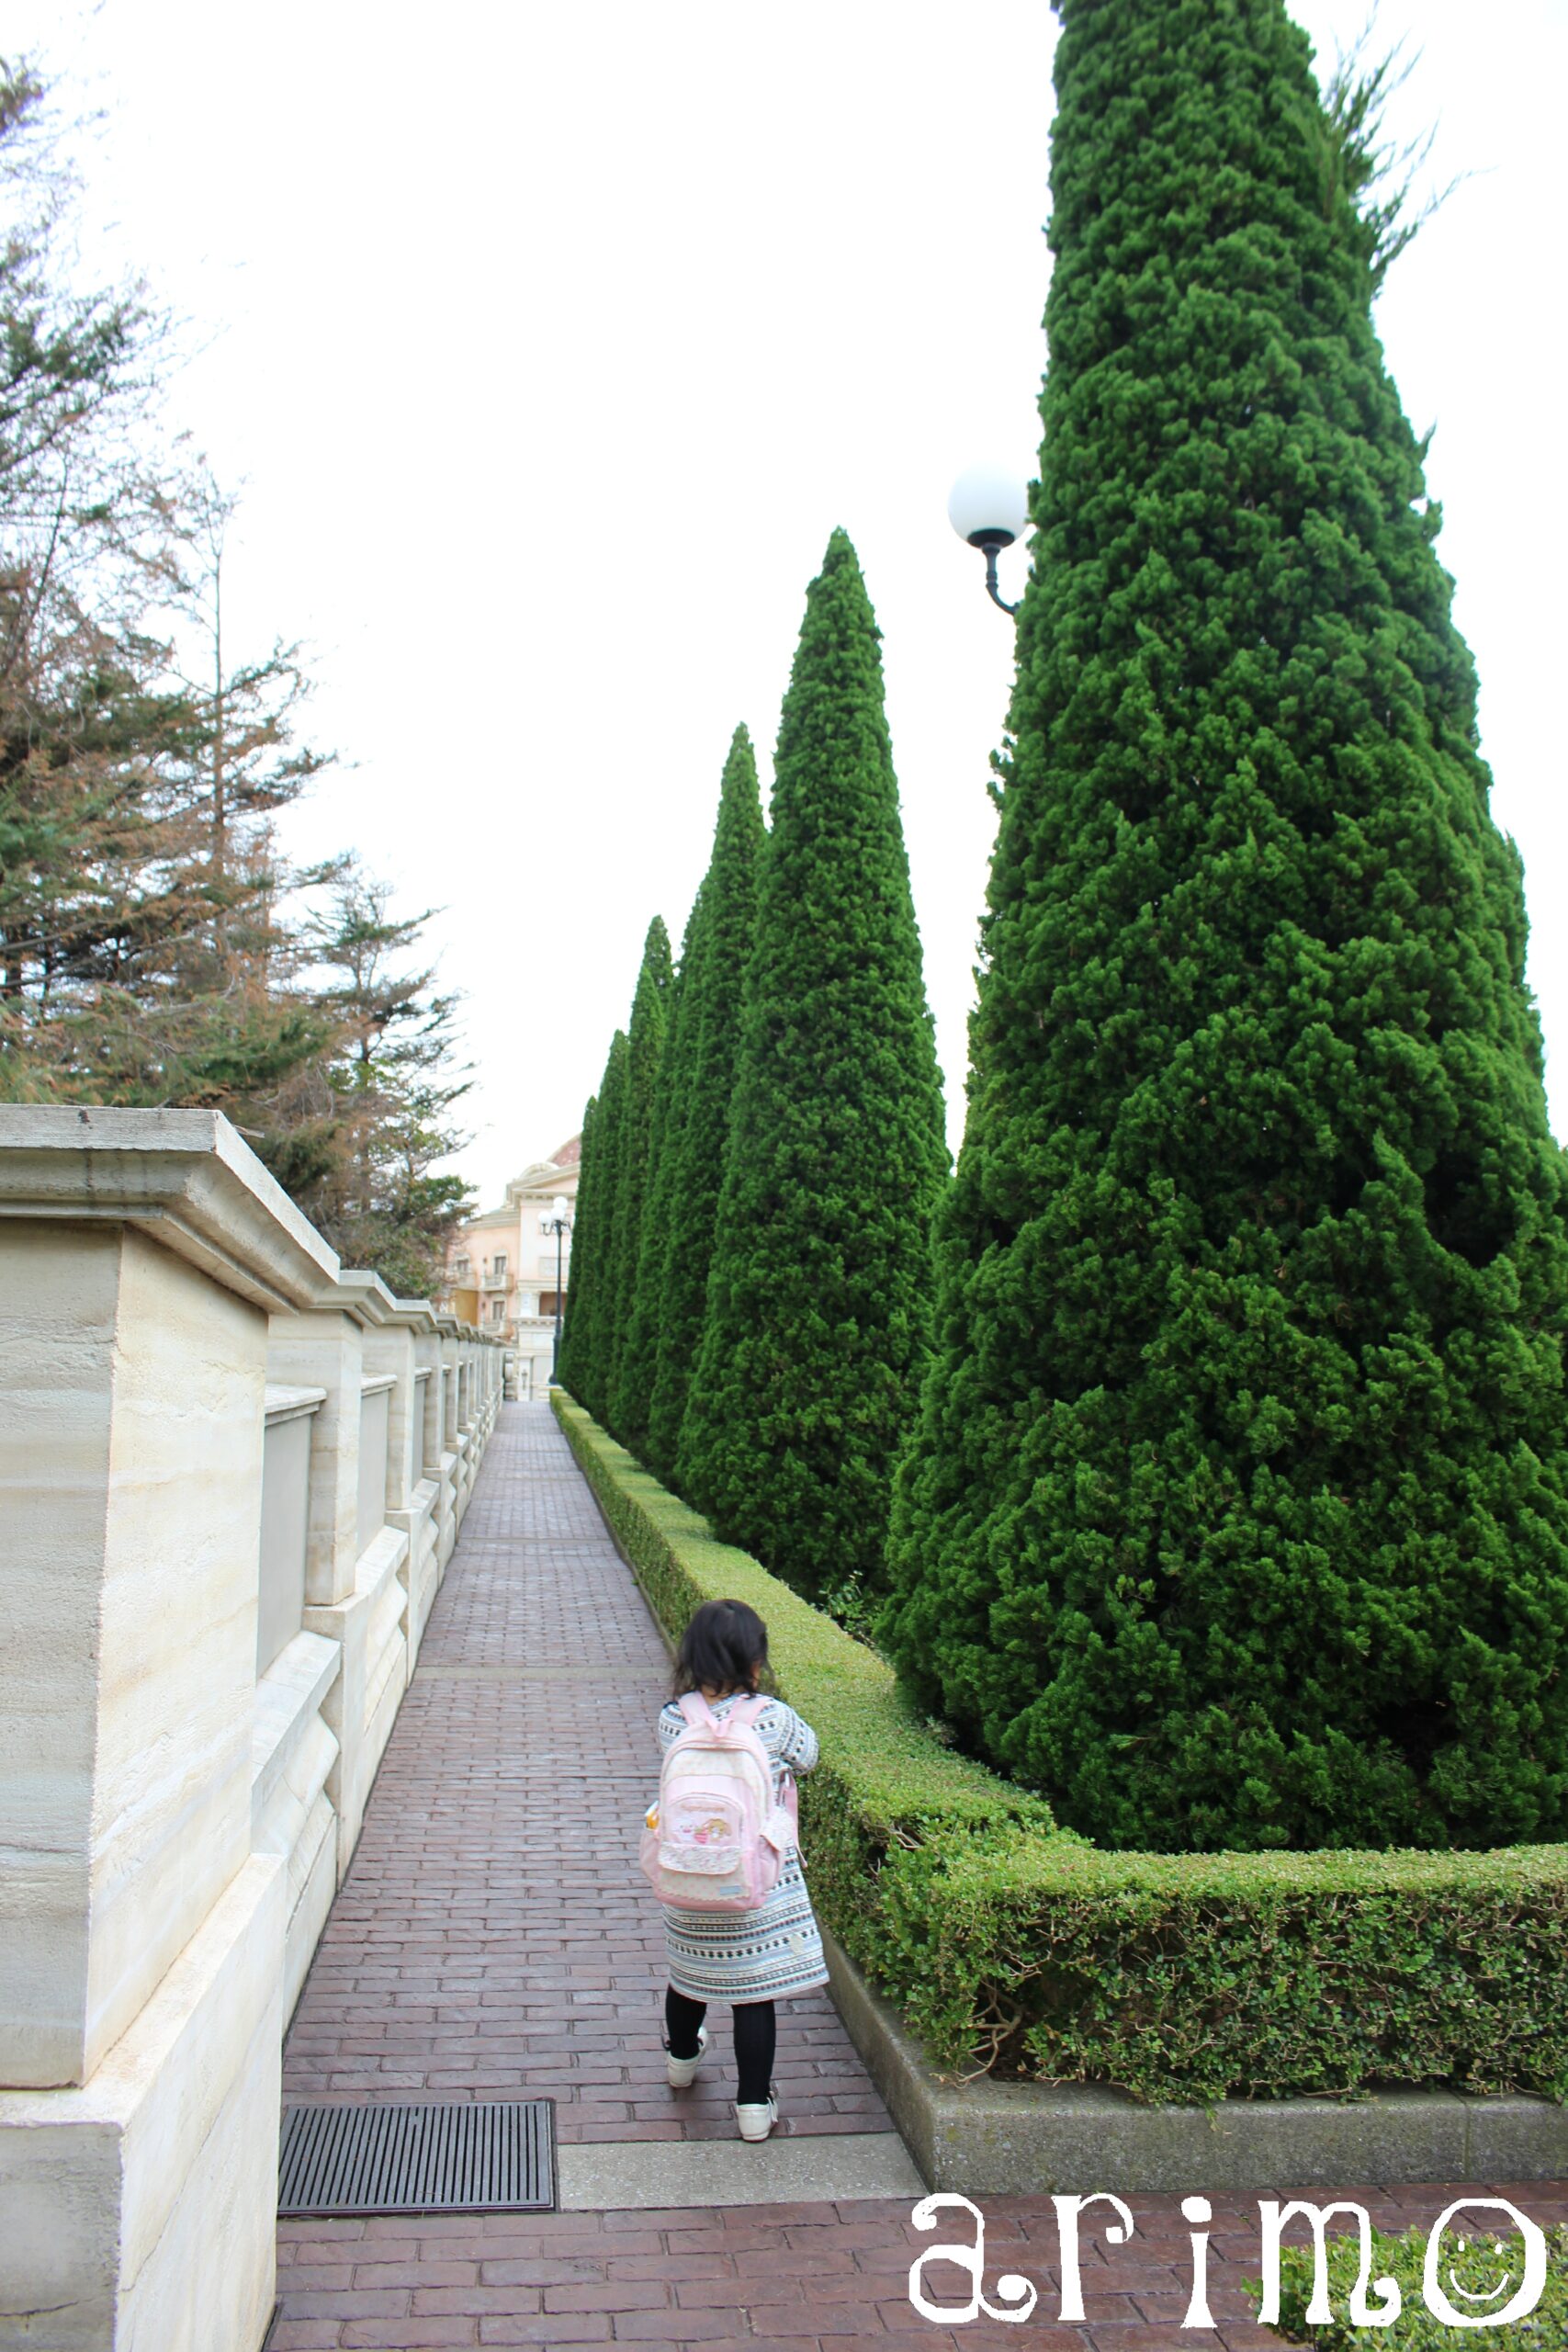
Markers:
(230, 1478)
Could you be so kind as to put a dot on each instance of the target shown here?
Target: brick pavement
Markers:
(782, 2278)
(450, 1968)
(456, 1965)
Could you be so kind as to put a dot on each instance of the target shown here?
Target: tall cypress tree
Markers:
(1237, 1514)
(663, 1218)
(644, 1048)
(818, 1296)
(594, 1242)
(574, 1312)
(709, 1049)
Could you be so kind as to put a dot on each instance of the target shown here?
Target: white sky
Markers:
(549, 343)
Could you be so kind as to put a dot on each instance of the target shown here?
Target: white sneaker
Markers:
(756, 2123)
(682, 2072)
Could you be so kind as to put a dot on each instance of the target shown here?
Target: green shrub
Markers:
(590, 1313)
(1010, 1944)
(1237, 1514)
(663, 1226)
(816, 1329)
(645, 1050)
(1476, 2269)
(702, 1084)
(1192, 1977)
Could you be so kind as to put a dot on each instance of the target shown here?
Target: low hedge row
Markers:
(1009, 1943)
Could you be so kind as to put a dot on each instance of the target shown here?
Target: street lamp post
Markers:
(988, 508)
(559, 1223)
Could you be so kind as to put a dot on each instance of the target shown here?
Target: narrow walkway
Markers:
(457, 1964)
(461, 1960)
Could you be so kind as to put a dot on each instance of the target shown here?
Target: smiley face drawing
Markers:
(1525, 2296)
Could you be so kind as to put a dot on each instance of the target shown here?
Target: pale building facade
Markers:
(505, 1273)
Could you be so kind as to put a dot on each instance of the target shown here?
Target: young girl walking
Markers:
(751, 1959)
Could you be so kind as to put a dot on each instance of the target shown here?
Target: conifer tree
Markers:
(664, 1219)
(645, 1049)
(593, 1240)
(818, 1296)
(689, 1200)
(1237, 1512)
(569, 1367)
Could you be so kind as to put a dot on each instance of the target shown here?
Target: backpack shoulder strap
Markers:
(695, 1709)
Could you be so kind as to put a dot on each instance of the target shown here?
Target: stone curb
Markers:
(821, 2168)
(1024, 2139)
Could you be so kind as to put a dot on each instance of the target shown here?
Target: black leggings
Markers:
(756, 2030)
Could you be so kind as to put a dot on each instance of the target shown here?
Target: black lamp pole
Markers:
(991, 544)
(560, 1224)
(555, 1350)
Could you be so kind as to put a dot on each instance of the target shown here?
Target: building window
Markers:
(500, 1264)
(497, 1310)
(548, 1300)
(459, 1267)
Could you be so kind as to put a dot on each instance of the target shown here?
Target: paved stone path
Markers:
(782, 2278)
(458, 1965)
(453, 1966)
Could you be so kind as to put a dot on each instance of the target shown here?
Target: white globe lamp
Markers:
(988, 508)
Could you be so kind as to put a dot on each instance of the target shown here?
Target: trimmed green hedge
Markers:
(1009, 1943)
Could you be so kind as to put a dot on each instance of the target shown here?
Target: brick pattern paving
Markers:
(456, 1962)
(785, 2277)
(451, 1967)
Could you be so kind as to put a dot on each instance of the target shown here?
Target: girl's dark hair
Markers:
(723, 1648)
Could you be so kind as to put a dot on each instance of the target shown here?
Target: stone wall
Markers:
(230, 1478)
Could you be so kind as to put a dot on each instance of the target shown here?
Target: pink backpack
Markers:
(714, 1839)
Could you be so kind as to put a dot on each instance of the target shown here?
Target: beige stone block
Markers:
(366, 1624)
(177, 1623)
(59, 1293)
(325, 1350)
(389, 1348)
(418, 1523)
(294, 1758)
(445, 1511)
(129, 1585)
(186, 1178)
(433, 1394)
(137, 2211)
(285, 1519)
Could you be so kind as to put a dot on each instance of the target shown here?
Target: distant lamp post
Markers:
(559, 1223)
(988, 508)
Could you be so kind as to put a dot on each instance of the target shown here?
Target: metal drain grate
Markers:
(482, 2157)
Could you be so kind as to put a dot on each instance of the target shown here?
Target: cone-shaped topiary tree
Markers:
(705, 1079)
(1236, 1514)
(816, 1333)
(575, 1311)
(644, 1046)
(663, 1219)
(594, 1237)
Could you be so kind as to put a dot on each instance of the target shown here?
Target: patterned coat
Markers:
(761, 1955)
